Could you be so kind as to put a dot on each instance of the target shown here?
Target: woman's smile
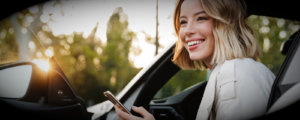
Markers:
(194, 43)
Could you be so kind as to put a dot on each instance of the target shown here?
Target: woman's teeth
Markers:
(194, 42)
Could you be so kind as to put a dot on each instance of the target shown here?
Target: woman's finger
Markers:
(125, 116)
(121, 114)
(143, 112)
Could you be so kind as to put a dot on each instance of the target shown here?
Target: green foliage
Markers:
(92, 67)
(271, 33)
(115, 53)
(8, 45)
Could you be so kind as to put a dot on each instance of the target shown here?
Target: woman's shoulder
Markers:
(246, 72)
(243, 64)
(246, 67)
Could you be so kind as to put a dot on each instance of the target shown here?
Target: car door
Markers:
(185, 104)
(160, 70)
(284, 98)
(142, 89)
(27, 92)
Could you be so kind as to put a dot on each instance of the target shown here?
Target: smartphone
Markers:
(114, 100)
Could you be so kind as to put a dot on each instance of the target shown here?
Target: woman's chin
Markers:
(199, 56)
(195, 58)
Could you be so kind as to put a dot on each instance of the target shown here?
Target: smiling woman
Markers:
(213, 34)
(229, 49)
(222, 34)
(197, 36)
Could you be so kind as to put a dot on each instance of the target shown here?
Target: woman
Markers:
(213, 35)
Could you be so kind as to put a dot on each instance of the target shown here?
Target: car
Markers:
(49, 95)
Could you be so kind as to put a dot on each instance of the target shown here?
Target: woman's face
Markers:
(196, 31)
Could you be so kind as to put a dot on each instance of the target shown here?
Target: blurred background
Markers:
(101, 45)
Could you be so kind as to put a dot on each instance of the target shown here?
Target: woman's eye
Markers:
(202, 18)
(182, 22)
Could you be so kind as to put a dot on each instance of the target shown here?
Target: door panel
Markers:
(28, 110)
(182, 106)
(48, 96)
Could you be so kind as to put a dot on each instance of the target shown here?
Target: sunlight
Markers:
(75, 13)
(31, 45)
(49, 53)
(42, 64)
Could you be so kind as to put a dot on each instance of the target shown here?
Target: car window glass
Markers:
(99, 45)
(270, 33)
(180, 81)
(292, 74)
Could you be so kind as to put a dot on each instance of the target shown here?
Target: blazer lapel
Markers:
(208, 96)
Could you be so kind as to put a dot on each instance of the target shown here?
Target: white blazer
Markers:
(237, 89)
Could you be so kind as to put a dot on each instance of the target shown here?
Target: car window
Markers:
(270, 33)
(180, 81)
(292, 74)
(100, 45)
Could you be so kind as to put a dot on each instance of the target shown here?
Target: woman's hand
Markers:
(124, 116)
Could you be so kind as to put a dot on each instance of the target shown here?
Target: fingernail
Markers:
(133, 107)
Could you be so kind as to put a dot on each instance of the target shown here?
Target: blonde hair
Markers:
(233, 37)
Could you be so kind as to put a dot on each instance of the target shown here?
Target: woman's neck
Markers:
(207, 63)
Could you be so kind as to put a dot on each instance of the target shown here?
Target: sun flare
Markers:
(49, 53)
(42, 64)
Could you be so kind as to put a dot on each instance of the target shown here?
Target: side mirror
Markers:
(27, 82)
(14, 81)
(23, 81)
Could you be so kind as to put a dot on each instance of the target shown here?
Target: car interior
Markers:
(184, 105)
(42, 95)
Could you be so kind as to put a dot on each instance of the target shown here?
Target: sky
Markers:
(82, 16)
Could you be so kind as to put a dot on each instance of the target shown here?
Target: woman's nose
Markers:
(189, 30)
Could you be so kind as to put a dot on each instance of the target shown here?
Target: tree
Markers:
(8, 44)
(90, 66)
(93, 67)
(115, 54)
